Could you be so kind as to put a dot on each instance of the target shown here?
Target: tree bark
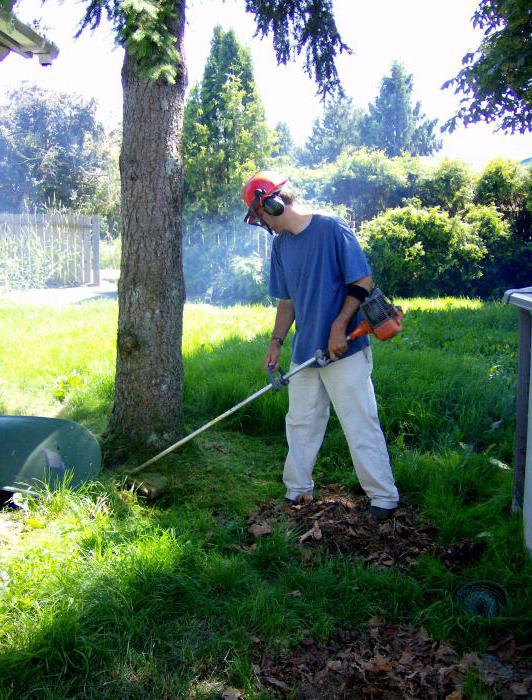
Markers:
(148, 401)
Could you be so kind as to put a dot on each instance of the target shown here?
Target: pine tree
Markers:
(225, 131)
(284, 143)
(393, 124)
(336, 130)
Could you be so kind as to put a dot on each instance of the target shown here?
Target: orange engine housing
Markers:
(384, 331)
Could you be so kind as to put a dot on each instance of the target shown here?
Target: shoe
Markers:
(301, 500)
(381, 514)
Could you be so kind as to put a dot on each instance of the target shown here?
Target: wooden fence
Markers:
(56, 249)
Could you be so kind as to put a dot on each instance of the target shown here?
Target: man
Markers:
(320, 276)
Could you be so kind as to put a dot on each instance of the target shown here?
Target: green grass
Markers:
(103, 596)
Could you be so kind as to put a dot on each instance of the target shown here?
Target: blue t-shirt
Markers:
(312, 269)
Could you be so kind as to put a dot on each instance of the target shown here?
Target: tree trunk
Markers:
(148, 399)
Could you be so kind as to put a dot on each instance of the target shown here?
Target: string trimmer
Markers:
(381, 318)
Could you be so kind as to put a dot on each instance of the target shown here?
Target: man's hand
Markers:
(337, 340)
(271, 361)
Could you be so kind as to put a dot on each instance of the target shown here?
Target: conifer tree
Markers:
(284, 142)
(225, 131)
(336, 130)
(393, 124)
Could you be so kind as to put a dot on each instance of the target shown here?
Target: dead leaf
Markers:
(456, 695)
(380, 665)
(334, 665)
(259, 529)
(276, 683)
(504, 649)
(295, 594)
(233, 694)
(520, 689)
(314, 532)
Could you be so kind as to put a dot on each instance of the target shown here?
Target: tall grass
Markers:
(39, 250)
(109, 597)
(110, 252)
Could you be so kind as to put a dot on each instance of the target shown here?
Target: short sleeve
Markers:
(277, 287)
(353, 262)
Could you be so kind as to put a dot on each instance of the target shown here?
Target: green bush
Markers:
(423, 252)
(503, 184)
(449, 186)
(496, 237)
(367, 182)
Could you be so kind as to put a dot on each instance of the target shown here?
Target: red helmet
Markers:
(258, 188)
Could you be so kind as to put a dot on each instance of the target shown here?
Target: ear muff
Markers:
(273, 205)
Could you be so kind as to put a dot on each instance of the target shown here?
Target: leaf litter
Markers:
(338, 522)
(383, 660)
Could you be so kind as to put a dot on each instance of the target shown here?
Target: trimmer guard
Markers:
(35, 449)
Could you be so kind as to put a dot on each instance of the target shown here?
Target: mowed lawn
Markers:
(103, 595)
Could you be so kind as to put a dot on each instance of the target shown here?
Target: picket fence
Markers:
(52, 249)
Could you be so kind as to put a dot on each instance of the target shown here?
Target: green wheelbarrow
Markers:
(34, 450)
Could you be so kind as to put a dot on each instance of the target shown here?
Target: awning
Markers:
(23, 40)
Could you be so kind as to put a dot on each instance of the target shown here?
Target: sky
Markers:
(429, 37)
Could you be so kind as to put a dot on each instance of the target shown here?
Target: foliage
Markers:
(49, 150)
(449, 185)
(284, 143)
(306, 24)
(508, 186)
(110, 252)
(225, 260)
(502, 250)
(225, 132)
(105, 199)
(143, 28)
(366, 181)
(502, 183)
(393, 124)
(332, 133)
(423, 252)
(496, 78)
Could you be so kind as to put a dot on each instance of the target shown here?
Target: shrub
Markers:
(449, 186)
(423, 252)
(367, 182)
(495, 234)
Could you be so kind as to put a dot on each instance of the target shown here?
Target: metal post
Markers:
(523, 389)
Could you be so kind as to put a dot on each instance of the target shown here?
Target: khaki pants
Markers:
(347, 383)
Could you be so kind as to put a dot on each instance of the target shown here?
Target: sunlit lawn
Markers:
(102, 595)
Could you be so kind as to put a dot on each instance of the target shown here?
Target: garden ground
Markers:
(215, 586)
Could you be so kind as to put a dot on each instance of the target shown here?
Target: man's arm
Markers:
(283, 320)
(337, 337)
